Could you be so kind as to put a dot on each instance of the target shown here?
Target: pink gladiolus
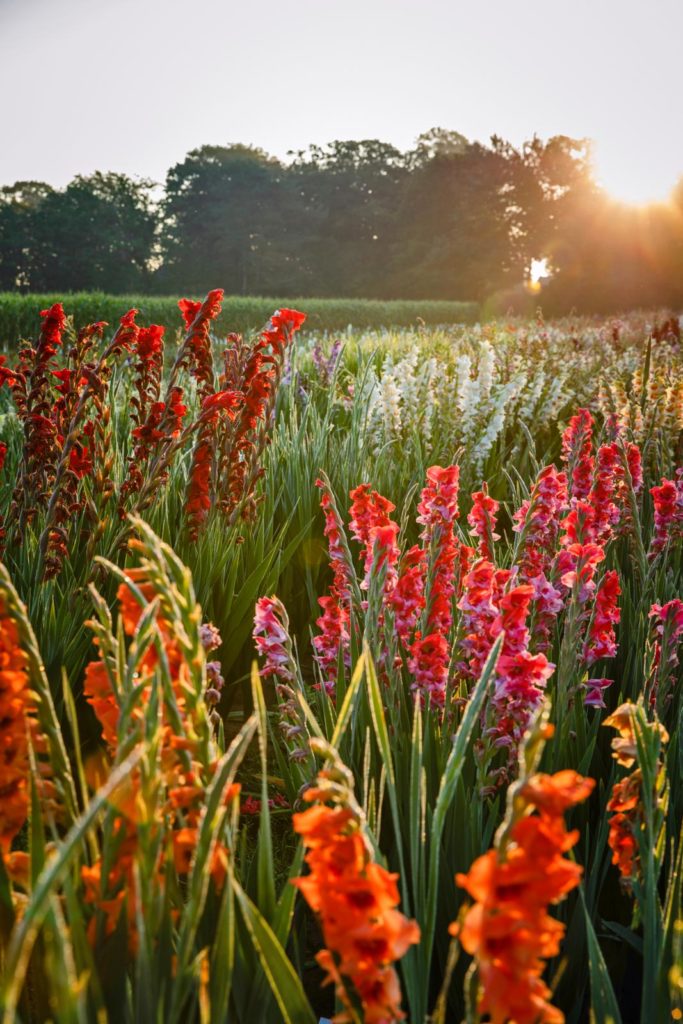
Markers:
(272, 639)
(537, 521)
(595, 689)
(601, 641)
(577, 449)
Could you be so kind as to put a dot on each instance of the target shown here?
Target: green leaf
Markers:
(449, 781)
(282, 978)
(604, 1006)
(264, 855)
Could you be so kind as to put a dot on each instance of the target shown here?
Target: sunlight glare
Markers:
(642, 175)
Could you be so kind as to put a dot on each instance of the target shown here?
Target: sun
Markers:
(639, 176)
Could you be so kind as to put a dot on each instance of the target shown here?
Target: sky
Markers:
(133, 85)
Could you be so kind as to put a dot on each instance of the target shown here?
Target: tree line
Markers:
(448, 219)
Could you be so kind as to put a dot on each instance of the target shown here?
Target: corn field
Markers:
(340, 673)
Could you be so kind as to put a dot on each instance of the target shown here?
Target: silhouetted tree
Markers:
(229, 216)
(19, 206)
(448, 219)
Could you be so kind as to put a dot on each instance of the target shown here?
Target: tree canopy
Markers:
(449, 219)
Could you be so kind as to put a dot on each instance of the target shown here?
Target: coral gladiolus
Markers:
(508, 929)
(16, 706)
(356, 901)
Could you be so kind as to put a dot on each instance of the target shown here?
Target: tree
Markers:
(97, 234)
(351, 192)
(455, 238)
(229, 216)
(19, 205)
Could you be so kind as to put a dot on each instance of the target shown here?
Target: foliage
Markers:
(474, 536)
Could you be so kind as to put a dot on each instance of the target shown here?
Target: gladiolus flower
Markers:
(668, 506)
(224, 401)
(537, 522)
(16, 709)
(594, 692)
(407, 598)
(577, 447)
(508, 929)
(272, 639)
(370, 513)
(356, 901)
(601, 641)
(626, 802)
(482, 519)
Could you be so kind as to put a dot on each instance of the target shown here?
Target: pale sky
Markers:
(132, 85)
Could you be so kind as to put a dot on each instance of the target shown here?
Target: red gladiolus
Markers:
(189, 309)
(199, 491)
(52, 328)
(482, 519)
(127, 333)
(340, 561)
(407, 598)
(289, 319)
(437, 512)
(197, 317)
(635, 467)
(80, 460)
(371, 525)
(576, 565)
(668, 504)
(7, 376)
(601, 641)
(332, 639)
(428, 663)
(3, 454)
(577, 448)
(223, 401)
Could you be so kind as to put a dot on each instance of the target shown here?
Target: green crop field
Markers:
(19, 314)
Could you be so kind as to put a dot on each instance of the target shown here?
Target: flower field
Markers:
(340, 673)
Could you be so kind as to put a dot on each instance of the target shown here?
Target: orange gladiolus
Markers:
(624, 746)
(625, 803)
(508, 929)
(625, 806)
(356, 900)
(185, 778)
(16, 708)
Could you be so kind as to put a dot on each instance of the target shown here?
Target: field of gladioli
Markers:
(339, 673)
